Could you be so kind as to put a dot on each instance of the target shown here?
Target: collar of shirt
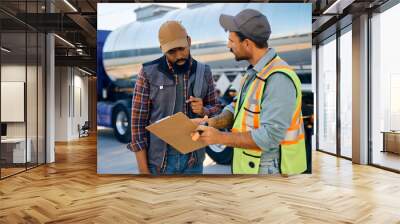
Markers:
(253, 70)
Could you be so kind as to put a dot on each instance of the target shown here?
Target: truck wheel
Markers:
(121, 124)
(220, 154)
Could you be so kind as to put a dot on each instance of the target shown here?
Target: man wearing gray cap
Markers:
(267, 129)
(170, 84)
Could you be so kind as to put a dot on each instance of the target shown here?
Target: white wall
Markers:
(80, 101)
(12, 73)
(61, 103)
(33, 126)
(71, 94)
(16, 73)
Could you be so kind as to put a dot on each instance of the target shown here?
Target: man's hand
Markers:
(198, 121)
(141, 158)
(145, 171)
(197, 105)
(209, 135)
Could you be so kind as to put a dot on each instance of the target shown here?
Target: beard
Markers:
(183, 67)
(239, 57)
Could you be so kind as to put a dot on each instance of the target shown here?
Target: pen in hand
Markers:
(198, 133)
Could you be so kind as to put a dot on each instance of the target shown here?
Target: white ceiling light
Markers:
(338, 6)
(70, 5)
(86, 72)
(5, 50)
(64, 40)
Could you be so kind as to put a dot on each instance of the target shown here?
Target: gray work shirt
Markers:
(179, 105)
(277, 107)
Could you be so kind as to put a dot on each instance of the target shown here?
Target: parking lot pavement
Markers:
(114, 158)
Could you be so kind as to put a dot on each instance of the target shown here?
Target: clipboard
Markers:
(176, 131)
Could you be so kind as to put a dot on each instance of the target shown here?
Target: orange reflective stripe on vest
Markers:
(247, 118)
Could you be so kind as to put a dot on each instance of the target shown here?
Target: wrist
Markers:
(211, 122)
(225, 138)
(144, 169)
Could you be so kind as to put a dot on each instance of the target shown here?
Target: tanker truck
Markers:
(114, 96)
(128, 47)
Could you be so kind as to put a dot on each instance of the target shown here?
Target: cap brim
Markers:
(174, 44)
(228, 23)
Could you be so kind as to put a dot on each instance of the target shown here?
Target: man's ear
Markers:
(189, 41)
(247, 44)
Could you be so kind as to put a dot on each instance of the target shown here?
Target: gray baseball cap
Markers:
(251, 23)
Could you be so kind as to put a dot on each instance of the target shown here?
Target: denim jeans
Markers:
(177, 163)
(270, 162)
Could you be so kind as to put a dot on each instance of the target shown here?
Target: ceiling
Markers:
(75, 22)
(329, 16)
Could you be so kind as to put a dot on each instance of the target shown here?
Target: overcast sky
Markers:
(113, 15)
(285, 18)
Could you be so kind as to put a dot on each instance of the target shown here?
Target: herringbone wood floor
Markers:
(70, 191)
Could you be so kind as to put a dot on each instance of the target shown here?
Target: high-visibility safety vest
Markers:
(247, 117)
